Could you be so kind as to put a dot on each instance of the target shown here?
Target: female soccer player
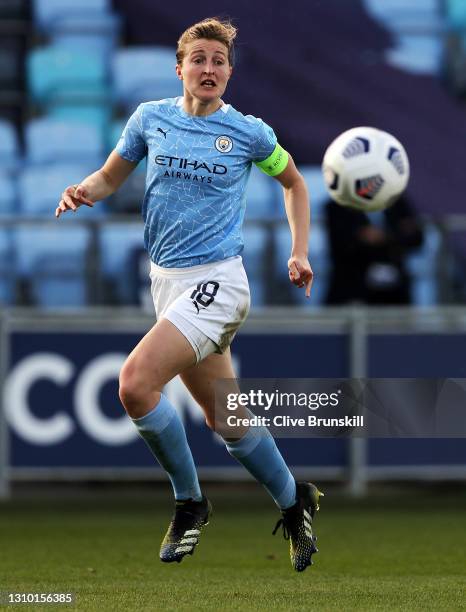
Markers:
(199, 153)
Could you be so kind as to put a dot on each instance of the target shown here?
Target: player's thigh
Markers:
(200, 378)
(163, 353)
(200, 381)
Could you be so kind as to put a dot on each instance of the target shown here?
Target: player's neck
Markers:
(194, 106)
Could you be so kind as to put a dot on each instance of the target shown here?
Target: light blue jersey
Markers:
(197, 172)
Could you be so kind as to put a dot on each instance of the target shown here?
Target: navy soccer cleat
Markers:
(185, 529)
(297, 523)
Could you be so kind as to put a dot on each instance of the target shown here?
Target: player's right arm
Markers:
(96, 186)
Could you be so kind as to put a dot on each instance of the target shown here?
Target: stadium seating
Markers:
(264, 203)
(140, 280)
(7, 194)
(50, 14)
(318, 256)
(114, 133)
(66, 76)
(144, 73)
(12, 108)
(415, 26)
(455, 46)
(7, 267)
(70, 81)
(423, 267)
(11, 67)
(118, 243)
(51, 140)
(456, 14)
(98, 115)
(255, 261)
(40, 188)
(98, 35)
(317, 191)
(128, 199)
(9, 147)
(52, 261)
(263, 197)
(417, 54)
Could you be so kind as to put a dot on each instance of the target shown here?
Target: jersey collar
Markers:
(223, 109)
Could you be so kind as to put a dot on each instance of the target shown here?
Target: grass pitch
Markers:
(390, 552)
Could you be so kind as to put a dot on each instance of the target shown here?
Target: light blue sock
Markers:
(164, 434)
(259, 454)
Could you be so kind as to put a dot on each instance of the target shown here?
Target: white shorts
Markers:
(207, 303)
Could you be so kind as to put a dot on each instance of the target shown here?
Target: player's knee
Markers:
(129, 397)
(139, 390)
(133, 390)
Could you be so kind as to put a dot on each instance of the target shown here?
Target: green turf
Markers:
(387, 553)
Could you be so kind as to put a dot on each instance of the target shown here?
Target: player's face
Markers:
(205, 70)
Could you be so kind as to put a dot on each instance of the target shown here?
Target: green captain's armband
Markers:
(275, 163)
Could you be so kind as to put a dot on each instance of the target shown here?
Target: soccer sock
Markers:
(259, 454)
(164, 434)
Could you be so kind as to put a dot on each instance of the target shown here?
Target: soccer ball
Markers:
(365, 168)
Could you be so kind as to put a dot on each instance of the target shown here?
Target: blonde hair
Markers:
(211, 28)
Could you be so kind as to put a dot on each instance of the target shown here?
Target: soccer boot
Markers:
(185, 529)
(297, 525)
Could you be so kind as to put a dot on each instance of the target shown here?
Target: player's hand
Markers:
(72, 198)
(300, 273)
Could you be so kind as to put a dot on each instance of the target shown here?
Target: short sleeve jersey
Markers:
(197, 172)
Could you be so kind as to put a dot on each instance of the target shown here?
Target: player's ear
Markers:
(178, 72)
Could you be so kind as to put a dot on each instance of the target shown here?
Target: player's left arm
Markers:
(281, 166)
(298, 214)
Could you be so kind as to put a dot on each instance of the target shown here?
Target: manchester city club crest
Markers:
(224, 144)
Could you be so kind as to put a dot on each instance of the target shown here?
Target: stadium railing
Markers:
(109, 256)
(358, 324)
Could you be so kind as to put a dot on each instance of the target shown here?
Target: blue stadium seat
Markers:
(318, 257)
(66, 75)
(9, 146)
(264, 200)
(416, 27)
(416, 54)
(423, 268)
(144, 73)
(98, 115)
(40, 188)
(98, 34)
(456, 14)
(254, 259)
(129, 196)
(114, 133)
(118, 243)
(317, 191)
(140, 266)
(8, 195)
(406, 15)
(50, 140)
(49, 14)
(53, 262)
(7, 267)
